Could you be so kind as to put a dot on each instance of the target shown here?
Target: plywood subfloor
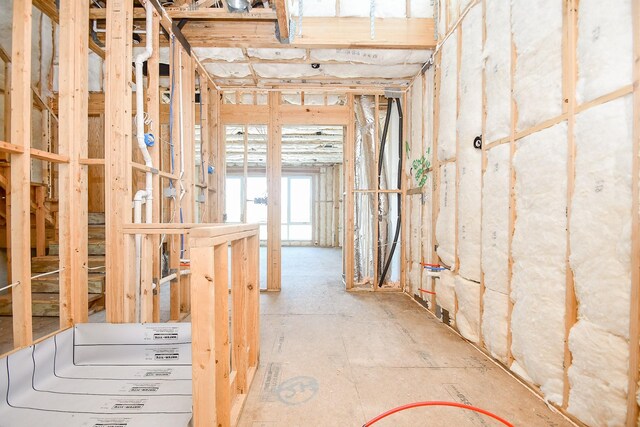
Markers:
(333, 358)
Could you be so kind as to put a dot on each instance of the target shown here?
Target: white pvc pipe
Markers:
(168, 278)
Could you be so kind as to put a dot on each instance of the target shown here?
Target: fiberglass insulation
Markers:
(446, 293)
(446, 222)
(539, 266)
(448, 99)
(470, 158)
(495, 246)
(497, 51)
(537, 34)
(602, 196)
(468, 314)
(605, 60)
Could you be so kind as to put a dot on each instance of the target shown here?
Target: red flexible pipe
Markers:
(436, 403)
(426, 291)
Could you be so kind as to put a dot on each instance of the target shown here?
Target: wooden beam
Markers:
(348, 170)
(118, 136)
(274, 175)
(634, 320)
(239, 312)
(21, 173)
(73, 177)
(282, 12)
(323, 32)
(203, 13)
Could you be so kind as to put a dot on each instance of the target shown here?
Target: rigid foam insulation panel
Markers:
(602, 196)
(276, 54)
(468, 314)
(101, 375)
(446, 222)
(495, 323)
(469, 158)
(598, 375)
(446, 294)
(539, 264)
(448, 99)
(605, 60)
(497, 52)
(495, 247)
(537, 34)
(495, 219)
(372, 56)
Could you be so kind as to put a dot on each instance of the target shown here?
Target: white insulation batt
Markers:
(539, 252)
(469, 158)
(415, 123)
(372, 56)
(227, 54)
(605, 51)
(446, 293)
(601, 231)
(288, 71)
(497, 52)
(276, 54)
(495, 246)
(228, 70)
(448, 99)
(446, 222)
(468, 314)
(598, 375)
(537, 33)
(415, 277)
(601, 215)
(363, 8)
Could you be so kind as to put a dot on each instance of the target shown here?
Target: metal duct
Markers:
(239, 5)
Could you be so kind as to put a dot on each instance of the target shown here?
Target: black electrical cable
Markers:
(383, 142)
(399, 186)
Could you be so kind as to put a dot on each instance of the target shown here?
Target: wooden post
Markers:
(222, 353)
(21, 173)
(435, 167)
(253, 303)
(348, 155)
(203, 332)
(274, 175)
(634, 320)
(175, 240)
(239, 298)
(73, 142)
(118, 134)
(41, 241)
(153, 109)
(146, 279)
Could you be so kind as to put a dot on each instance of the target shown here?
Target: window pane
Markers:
(256, 192)
(263, 232)
(284, 232)
(300, 232)
(233, 202)
(301, 196)
(284, 201)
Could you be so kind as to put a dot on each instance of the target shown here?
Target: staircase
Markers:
(45, 295)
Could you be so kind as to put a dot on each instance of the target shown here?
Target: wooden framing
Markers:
(21, 173)
(73, 142)
(274, 175)
(118, 138)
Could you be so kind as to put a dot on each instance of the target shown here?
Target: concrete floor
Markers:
(334, 358)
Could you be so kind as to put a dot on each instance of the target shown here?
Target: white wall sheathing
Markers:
(422, 8)
(598, 375)
(601, 215)
(539, 251)
(469, 159)
(276, 54)
(605, 60)
(446, 293)
(497, 51)
(446, 222)
(495, 323)
(227, 54)
(537, 33)
(372, 56)
(228, 70)
(448, 99)
(468, 314)
(602, 197)
(495, 219)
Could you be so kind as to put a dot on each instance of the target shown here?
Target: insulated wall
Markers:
(536, 228)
